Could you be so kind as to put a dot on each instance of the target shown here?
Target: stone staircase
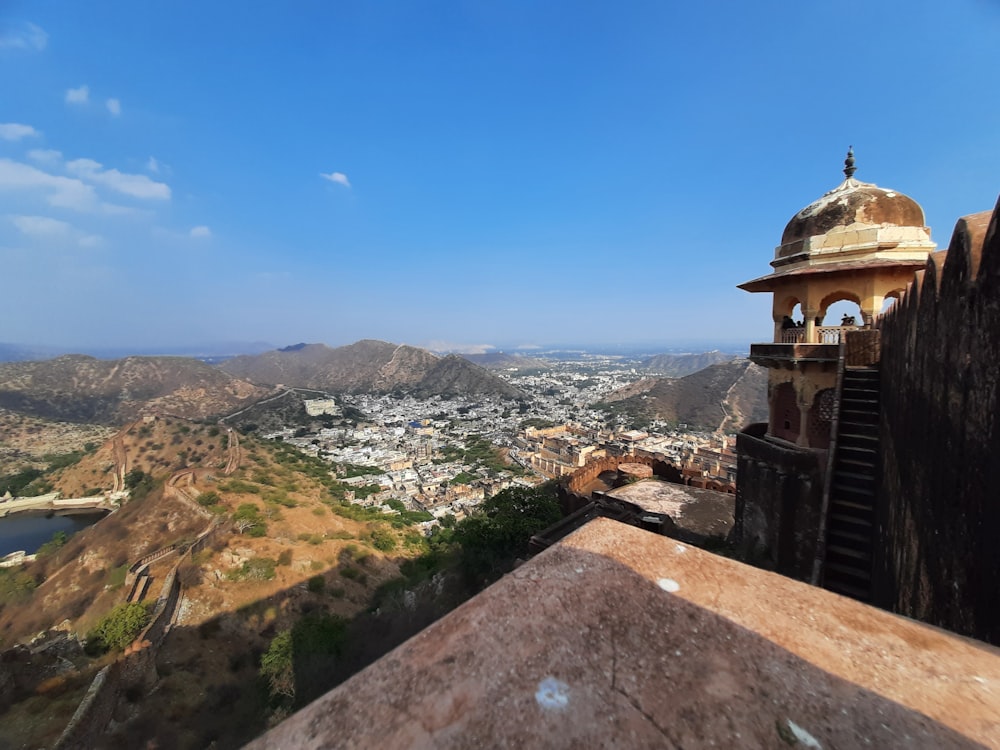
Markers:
(851, 514)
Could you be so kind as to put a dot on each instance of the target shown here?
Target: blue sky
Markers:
(458, 173)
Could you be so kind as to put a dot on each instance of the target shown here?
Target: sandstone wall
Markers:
(938, 556)
(779, 499)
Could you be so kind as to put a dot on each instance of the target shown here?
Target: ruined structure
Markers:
(872, 476)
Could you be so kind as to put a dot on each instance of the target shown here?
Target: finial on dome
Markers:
(849, 168)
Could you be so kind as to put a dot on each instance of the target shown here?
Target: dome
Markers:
(852, 202)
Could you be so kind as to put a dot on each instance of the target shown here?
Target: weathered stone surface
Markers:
(695, 512)
(938, 559)
(616, 637)
(630, 471)
(779, 500)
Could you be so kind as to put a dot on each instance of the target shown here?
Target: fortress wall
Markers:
(134, 669)
(581, 478)
(938, 559)
(778, 502)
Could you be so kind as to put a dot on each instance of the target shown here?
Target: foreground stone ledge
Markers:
(616, 637)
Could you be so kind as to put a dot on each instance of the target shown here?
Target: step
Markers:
(857, 502)
(858, 416)
(861, 384)
(854, 510)
(864, 466)
(854, 482)
(856, 556)
(859, 498)
(839, 521)
(866, 427)
(852, 538)
(855, 574)
(857, 453)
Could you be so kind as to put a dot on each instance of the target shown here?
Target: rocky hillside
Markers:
(504, 361)
(284, 546)
(721, 397)
(78, 388)
(456, 376)
(679, 365)
(369, 367)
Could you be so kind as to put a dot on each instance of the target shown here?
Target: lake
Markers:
(28, 532)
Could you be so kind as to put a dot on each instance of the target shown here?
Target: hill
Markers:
(720, 397)
(455, 376)
(679, 365)
(504, 361)
(369, 367)
(79, 388)
(282, 545)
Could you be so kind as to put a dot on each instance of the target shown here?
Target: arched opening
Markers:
(839, 308)
(785, 413)
(791, 330)
(820, 418)
(890, 299)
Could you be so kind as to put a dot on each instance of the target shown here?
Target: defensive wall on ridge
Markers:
(939, 517)
(136, 667)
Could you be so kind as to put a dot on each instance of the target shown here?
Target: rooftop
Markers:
(618, 637)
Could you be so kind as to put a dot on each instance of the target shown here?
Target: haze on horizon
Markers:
(457, 174)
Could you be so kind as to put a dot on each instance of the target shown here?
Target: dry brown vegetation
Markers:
(26, 441)
(208, 664)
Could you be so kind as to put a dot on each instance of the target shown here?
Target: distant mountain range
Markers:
(679, 365)
(79, 388)
(210, 352)
(370, 366)
(723, 397)
(504, 361)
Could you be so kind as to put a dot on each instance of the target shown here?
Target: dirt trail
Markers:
(235, 454)
(121, 459)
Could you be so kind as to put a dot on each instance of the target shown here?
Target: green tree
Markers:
(277, 667)
(497, 533)
(383, 540)
(118, 628)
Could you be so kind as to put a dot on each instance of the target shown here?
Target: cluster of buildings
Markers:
(561, 450)
(418, 449)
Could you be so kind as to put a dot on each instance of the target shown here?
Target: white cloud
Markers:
(135, 185)
(64, 192)
(45, 228)
(41, 226)
(79, 95)
(47, 156)
(25, 35)
(114, 107)
(200, 232)
(15, 131)
(527, 347)
(339, 177)
(61, 192)
(153, 165)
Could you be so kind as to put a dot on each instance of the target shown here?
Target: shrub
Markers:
(383, 540)
(285, 558)
(316, 584)
(118, 628)
(255, 569)
(206, 499)
(116, 576)
(351, 573)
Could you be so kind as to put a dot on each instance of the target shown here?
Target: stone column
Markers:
(810, 320)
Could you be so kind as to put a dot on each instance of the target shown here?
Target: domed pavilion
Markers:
(858, 242)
